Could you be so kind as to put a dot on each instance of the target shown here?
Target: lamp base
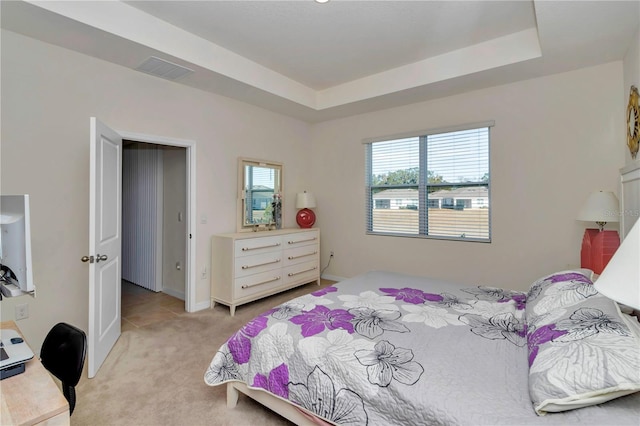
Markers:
(598, 247)
(305, 218)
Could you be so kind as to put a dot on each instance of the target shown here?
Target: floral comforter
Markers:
(391, 349)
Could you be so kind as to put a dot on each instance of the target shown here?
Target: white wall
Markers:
(48, 95)
(556, 139)
(631, 77)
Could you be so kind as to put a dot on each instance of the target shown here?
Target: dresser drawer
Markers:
(302, 272)
(252, 246)
(302, 254)
(249, 265)
(257, 283)
(300, 239)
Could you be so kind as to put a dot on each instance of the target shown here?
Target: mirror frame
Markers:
(243, 162)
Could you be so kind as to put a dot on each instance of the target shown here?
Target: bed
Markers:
(385, 348)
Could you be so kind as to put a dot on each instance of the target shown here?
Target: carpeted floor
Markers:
(154, 374)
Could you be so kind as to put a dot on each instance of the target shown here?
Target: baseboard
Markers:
(332, 277)
(175, 293)
(201, 306)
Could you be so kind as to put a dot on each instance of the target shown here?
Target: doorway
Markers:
(179, 204)
(154, 212)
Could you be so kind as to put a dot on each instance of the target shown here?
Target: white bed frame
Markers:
(285, 409)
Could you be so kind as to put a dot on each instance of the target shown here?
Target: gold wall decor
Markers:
(633, 122)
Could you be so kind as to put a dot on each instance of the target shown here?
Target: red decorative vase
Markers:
(305, 218)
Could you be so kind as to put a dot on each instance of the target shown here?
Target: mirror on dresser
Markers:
(259, 195)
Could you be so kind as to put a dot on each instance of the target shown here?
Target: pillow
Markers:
(582, 351)
(559, 289)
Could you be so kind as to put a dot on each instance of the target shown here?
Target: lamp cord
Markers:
(328, 263)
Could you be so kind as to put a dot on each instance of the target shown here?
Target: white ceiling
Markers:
(322, 61)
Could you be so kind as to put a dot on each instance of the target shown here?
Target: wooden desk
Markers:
(32, 397)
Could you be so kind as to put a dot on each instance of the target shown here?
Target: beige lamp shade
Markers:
(620, 279)
(601, 206)
(305, 200)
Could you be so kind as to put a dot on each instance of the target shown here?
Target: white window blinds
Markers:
(436, 185)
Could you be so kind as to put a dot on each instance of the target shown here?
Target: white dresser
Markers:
(247, 266)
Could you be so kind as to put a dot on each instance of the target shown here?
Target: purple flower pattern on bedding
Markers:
(372, 323)
(581, 352)
(569, 276)
(286, 311)
(276, 383)
(351, 346)
(324, 291)
(412, 295)
(316, 320)
(319, 395)
(578, 289)
(451, 301)
(492, 294)
(573, 284)
(586, 322)
(224, 370)
(542, 335)
(240, 343)
(501, 326)
(386, 363)
(519, 299)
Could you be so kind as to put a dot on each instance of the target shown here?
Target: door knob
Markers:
(100, 257)
(87, 259)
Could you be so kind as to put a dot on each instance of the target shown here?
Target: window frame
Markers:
(422, 186)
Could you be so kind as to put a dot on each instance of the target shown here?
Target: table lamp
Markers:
(599, 245)
(620, 280)
(305, 217)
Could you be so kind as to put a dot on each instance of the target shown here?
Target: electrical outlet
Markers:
(22, 311)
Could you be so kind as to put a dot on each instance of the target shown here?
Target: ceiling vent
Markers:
(164, 69)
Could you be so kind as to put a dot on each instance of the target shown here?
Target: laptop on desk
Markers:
(14, 352)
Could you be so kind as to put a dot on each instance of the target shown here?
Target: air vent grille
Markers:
(164, 69)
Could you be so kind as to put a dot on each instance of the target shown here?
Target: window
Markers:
(463, 203)
(433, 203)
(383, 204)
(432, 185)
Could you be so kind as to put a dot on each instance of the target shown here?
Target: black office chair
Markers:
(63, 353)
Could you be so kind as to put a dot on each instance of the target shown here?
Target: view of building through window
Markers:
(259, 190)
(435, 185)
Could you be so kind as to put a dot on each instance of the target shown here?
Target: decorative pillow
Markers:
(582, 351)
(560, 289)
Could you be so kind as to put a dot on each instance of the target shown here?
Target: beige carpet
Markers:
(154, 374)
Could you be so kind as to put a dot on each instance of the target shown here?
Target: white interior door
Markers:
(104, 242)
